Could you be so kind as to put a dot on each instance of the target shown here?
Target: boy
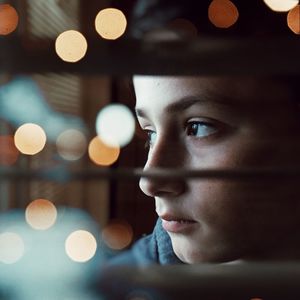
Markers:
(199, 123)
(219, 123)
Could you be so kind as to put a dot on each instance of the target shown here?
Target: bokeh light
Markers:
(115, 125)
(184, 27)
(81, 246)
(8, 152)
(117, 235)
(281, 5)
(11, 247)
(30, 139)
(293, 19)
(222, 13)
(102, 154)
(110, 23)
(71, 46)
(8, 19)
(41, 214)
(71, 144)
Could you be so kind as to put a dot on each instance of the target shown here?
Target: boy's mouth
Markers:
(176, 224)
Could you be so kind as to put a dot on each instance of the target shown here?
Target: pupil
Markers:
(193, 129)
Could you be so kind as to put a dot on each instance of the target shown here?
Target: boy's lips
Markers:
(176, 224)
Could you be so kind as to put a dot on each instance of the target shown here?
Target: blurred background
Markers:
(67, 124)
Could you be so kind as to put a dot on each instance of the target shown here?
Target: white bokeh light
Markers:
(115, 125)
(110, 23)
(11, 247)
(30, 138)
(81, 246)
(71, 144)
(281, 5)
(41, 214)
(71, 46)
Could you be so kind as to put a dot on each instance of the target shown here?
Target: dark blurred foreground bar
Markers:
(63, 174)
(208, 282)
(129, 56)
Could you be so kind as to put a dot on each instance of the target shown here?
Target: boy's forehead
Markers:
(229, 90)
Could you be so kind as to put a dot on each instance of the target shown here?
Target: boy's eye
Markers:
(200, 129)
(151, 136)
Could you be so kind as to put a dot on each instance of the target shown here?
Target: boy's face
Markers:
(221, 123)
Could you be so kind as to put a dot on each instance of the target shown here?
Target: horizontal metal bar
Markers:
(205, 281)
(63, 174)
(205, 56)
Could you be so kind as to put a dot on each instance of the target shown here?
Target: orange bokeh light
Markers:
(102, 154)
(117, 235)
(9, 19)
(223, 13)
(8, 151)
(293, 19)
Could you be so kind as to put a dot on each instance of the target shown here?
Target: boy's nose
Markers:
(164, 155)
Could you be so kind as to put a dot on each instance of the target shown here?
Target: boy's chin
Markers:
(190, 253)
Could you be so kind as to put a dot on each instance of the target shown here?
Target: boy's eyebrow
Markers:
(187, 102)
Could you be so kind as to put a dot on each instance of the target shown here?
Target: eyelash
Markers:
(200, 124)
(148, 142)
(188, 129)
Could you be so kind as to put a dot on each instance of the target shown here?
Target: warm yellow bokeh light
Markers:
(117, 235)
(41, 214)
(293, 19)
(11, 247)
(8, 19)
(8, 151)
(102, 154)
(71, 46)
(71, 144)
(281, 5)
(222, 13)
(81, 246)
(30, 139)
(110, 23)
